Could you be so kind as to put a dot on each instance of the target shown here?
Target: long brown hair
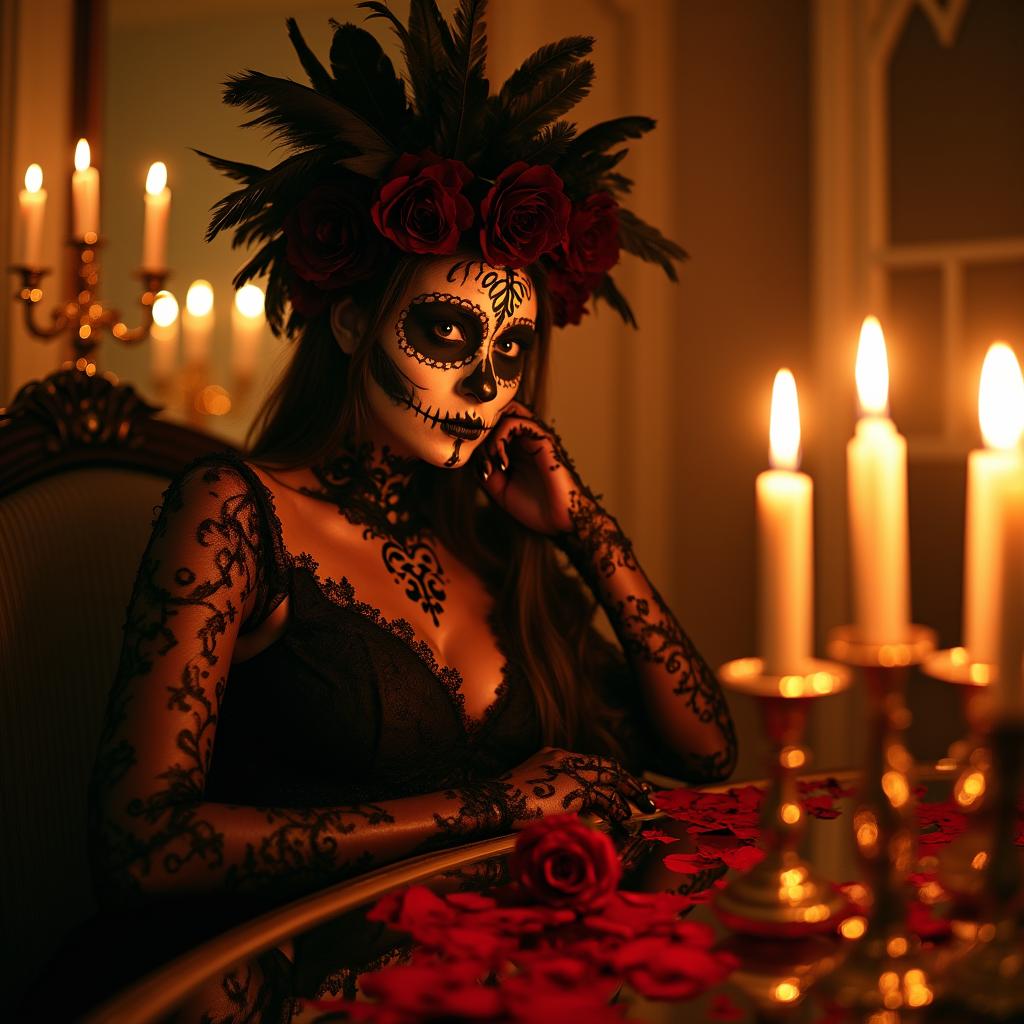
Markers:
(318, 405)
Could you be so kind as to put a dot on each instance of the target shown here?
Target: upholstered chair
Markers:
(83, 463)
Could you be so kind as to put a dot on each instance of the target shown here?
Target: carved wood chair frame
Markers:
(74, 418)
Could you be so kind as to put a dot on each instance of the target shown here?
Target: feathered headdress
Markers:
(378, 166)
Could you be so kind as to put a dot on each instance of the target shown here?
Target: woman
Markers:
(360, 641)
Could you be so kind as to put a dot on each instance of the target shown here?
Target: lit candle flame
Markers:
(199, 298)
(156, 179)
(1001, 398)
(872, 370)
(165, 309)
(249, 301)
(784, 426)
(83, 155)
(33, 178)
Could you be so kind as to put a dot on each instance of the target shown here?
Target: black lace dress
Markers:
(348, 704)
(346, 707)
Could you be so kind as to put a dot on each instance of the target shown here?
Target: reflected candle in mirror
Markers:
(197, 324)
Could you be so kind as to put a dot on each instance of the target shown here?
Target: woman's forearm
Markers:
(684, 700)
(204, 847)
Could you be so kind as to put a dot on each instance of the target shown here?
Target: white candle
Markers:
(197, 323)
(32, 207)
(164, 335)
(158, 205)
(247, 324)
(876, 468)
(1010, 678)
(784, 533)
(85, 195)
(989, 470)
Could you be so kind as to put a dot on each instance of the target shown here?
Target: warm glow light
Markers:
(165, 309)
(33, 178)
(784, 425)
(853, 927)
(213, 400)
(249, 300)
(83, 155)
(156, 179)
(787, 992)
(199, 298)
(790, 813)
(872, 370)
(1001, 397)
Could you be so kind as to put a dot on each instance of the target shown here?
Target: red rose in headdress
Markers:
(421, 207)
(330, 240)
(592, 246)
(563, 862)
(525, 215)
(568, 292)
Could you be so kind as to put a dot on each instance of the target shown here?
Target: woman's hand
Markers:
(555, 781)
(526, 471)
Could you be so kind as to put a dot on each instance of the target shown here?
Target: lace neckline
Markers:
(342, 594)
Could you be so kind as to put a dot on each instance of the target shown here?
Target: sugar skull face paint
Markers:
(453, 357)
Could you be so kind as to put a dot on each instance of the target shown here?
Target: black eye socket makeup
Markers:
(510, 350)
(441, 330)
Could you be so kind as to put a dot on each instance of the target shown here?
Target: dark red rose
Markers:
(569, 293)
(562, 862)
(330, 239)
(421, 207)
(307, 299)
(525, 215)
(592, 245)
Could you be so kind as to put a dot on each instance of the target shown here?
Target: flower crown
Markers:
(373, 173)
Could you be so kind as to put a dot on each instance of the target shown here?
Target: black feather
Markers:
(550, 144)
(462, 83)
(302, 118)
(647, 242)
(599, 137)
(292, 175)
(548, 60)
(259, 264)
(316, 72)
(277, 296)
(365, 80)
(617, 183)
(246, 173)
(609, 291)
(546, 102)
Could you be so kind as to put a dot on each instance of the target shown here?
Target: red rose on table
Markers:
(421, 207)
(563, 862)
(592, 243)
(330, 240)
(525, 215)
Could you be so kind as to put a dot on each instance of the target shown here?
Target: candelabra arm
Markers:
(153, 281)
(31, 295)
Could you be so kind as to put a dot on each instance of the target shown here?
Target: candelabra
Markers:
(84, 317)
(782, 896)
(884, 970)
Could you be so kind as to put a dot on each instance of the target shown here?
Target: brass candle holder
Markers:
(782, 896)
(884, 970)
(84, 318)
(989, 978)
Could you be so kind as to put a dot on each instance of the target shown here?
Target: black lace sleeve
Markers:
(206, 575)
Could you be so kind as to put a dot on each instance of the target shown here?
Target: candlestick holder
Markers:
(885, 970)
(990, 976)
(782, 895)
(84, 317)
